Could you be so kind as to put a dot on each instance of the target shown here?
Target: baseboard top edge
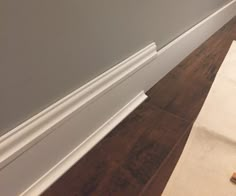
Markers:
(31, 131)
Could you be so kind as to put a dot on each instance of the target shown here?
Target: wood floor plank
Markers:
(139, 155)
(132, 151)
(180, 95)
(184, 89)
(158, 182)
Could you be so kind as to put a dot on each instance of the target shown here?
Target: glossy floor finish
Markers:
(138, 156)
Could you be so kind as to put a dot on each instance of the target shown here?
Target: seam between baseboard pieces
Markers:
(45, 121)
(146, 68)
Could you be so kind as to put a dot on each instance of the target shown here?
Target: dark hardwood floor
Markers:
(138, 156)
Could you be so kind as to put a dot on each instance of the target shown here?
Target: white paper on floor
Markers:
(209, 157)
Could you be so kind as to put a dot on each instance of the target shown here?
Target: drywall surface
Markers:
(51, 47)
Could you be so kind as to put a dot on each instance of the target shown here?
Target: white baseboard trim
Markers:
(60, 168)
(40, 150)
(182, 46)
(30, 132)
(47, 145)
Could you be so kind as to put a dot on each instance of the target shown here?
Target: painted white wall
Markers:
(51, 47)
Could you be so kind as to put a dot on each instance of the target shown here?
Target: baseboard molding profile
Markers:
(187, 42)
(60, 168)
(30, 132)
(47, 145)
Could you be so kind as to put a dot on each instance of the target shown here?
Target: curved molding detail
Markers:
(61, 167)
(61, 134)
(33, 130)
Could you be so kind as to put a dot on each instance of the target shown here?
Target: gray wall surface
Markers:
(51, 47)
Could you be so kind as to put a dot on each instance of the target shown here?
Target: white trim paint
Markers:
(27, 134)
(40, 150)
(60, 168)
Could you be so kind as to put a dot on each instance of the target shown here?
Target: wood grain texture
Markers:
(139, 155)
(159, 180)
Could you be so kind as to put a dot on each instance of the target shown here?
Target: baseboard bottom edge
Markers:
(65, 164)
